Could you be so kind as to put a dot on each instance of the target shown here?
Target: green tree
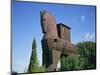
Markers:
(85, 58)
(72, 62)
(34, 65)
(87, 50)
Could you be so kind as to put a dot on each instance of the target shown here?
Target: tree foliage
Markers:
(84, 59)
(34, 64)
(72, 62)
(87, 50)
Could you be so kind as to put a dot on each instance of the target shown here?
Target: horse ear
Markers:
(40, 12)
(43, 12)
(44, 27)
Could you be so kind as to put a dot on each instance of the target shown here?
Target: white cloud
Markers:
(88, 36)
(82, 18)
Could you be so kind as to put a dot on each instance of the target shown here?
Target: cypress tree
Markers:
(34, 65)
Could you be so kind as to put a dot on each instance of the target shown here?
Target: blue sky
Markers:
(26, 26)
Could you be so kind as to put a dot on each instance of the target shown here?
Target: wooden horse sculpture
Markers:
(56, 41)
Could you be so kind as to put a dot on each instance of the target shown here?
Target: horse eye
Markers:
(44, 19)
(55, 40)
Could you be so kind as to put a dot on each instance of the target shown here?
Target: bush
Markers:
(84, 59)
(72, 62)
(87, 50)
